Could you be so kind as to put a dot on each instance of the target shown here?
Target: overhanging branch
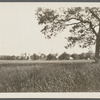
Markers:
(95, 26)
(94, 15)
(84, 21)
(72, 24)
(92, 28)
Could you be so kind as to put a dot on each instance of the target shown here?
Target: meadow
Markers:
(49, 76)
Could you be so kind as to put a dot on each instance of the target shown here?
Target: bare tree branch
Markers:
(95, 26)
(84, 21)
(72, 24)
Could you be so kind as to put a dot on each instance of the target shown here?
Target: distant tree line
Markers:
(63, 56)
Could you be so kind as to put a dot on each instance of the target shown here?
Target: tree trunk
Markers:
(97, 49)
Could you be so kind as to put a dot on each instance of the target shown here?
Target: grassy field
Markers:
(49, 76)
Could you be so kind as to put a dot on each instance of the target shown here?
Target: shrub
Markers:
(51, 57)
(64, 56)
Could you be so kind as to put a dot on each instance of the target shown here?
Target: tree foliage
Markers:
(34, 57)
(51, 57)
(84, 22)
(64, 56)
(75, 56)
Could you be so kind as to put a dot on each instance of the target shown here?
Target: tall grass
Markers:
(50, 77)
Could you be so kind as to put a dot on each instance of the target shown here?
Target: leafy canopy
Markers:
(83, 24)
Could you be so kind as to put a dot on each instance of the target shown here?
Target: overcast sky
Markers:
(20, 32)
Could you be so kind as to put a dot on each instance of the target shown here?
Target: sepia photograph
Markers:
(49, 47)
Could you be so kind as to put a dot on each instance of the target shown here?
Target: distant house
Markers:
(71, 58)
(88, 59)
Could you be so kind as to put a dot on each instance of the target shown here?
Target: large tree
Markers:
(83, 23)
